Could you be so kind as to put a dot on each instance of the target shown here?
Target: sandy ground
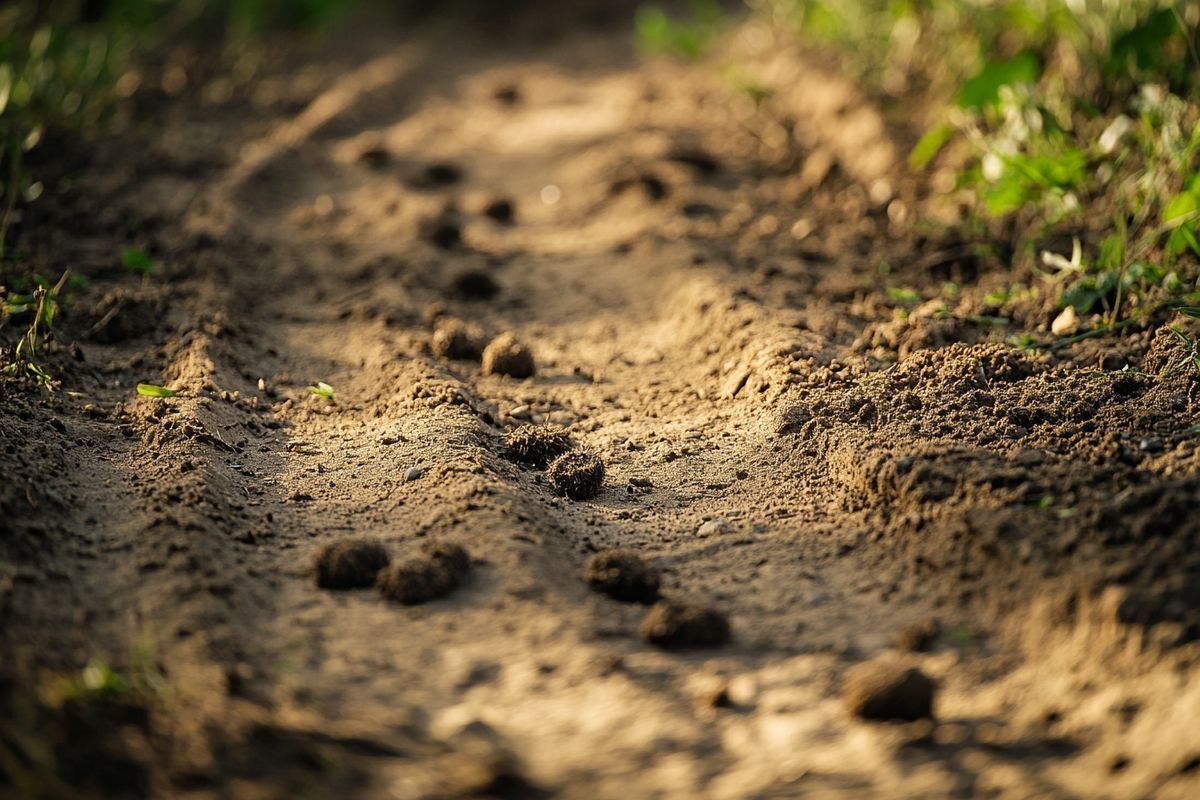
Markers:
(699, 285)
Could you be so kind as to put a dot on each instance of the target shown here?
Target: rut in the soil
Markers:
(623, 473)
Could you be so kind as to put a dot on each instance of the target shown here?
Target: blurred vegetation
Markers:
(65, 64)
(1061, 119)
(65, 67)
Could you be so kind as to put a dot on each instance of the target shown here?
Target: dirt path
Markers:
(739, 380)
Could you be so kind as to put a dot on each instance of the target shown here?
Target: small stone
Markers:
(577, 474)
(412, 473)
(521, 412)
(1065, 323)
(349, 564)
(504, 355)
(680, 625)
(623, 575)
(714, 527)
(537, 445)
(886, 689)
(1150, 445)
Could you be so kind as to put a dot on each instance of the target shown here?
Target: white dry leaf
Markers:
(1114, 133)
(1055, 261)
(993, 167)
(1065, 323)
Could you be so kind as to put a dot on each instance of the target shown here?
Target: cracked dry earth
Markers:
(845, 484)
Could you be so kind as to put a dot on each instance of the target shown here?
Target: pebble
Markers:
(1150, 445)
(714, 527)
(412, 474)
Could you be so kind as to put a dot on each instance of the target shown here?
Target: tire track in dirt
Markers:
(717, 370)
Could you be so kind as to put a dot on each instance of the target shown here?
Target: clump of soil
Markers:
(679, 625)
(919, 637)
(436, 176)
(501, 210)
(349, 563)
(577, 474)
(888, 690)
(623, 575)
(456, 339)
(537, 445)
(442, 231)
(435, 573)
(453, 555)
(475, 284)
(504, 355)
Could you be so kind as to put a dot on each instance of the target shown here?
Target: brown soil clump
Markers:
(889, 691)
(623, 575)
(452, 555)
(919, 637)
(504, 355)
(681, 625)
(455, 339)
(475, 284)
(537, 445)
(501, 210)
(577, 474)
(349, 564)
(436, 573)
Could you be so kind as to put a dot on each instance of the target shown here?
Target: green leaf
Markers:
(322, 389)
(1005, 197)
(1144, 46)
(930, 144)
(1089, 291)
(135, 259)
(984, 89)
(6, 82)
(903, 295)
(150, 390)
(1184, 206)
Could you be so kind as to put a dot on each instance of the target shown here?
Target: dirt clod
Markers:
(537, 445)
(680, 625)
(501, 210)
(435, 573)
(443, 232)
(455, 339)
(919, 637)
(452, 555)
(623, 575)
(577, 474)
(886, 690)
(474, 284)
(349, 563)
(504, 355)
